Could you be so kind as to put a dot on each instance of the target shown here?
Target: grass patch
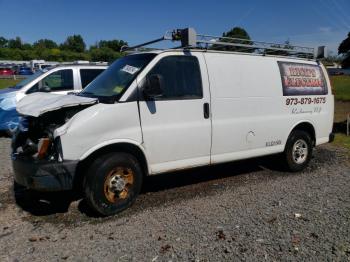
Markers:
(343, 141)
(341, 110)
(341, 87)
(8, 82)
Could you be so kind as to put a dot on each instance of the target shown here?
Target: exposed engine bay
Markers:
(34, 137)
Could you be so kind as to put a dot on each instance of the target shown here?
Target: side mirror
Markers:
(153, 86)
(45, 89)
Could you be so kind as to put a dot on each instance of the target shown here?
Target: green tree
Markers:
(45, 43)
(74, 43)
(3, 42)
(11, 54)
(67, 55)
(15, 43)
(53, 54)
(26, 46)
(4, 53)
(242, 37)
(344, 50)
(115, 45)
(103, 54)
(28, 54)
(72, 49)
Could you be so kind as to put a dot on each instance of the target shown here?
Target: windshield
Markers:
(29, 79)
(116, 79)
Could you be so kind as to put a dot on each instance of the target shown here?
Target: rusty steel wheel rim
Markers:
(118, 184)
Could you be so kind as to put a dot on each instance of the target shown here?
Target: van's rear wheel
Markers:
(113, 183)
(298, 151)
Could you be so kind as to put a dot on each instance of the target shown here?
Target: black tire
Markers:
(23, 196)
(19, 190)
(290, 155)
(103, 170)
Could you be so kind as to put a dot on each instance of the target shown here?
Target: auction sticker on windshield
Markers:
(130, 69)
(302, 79)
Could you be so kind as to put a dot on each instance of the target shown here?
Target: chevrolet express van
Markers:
(159, 111)
(57, 80)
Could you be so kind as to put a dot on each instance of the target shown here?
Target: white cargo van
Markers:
(159, 111)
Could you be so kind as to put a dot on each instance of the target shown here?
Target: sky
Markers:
(302, 22)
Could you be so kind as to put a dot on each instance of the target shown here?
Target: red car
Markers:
(6, 71)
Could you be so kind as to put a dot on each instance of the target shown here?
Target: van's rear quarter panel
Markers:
(249, 111)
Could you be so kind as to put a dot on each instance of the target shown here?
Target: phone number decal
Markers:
(305, 101)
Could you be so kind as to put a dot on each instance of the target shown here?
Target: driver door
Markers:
(176, 130)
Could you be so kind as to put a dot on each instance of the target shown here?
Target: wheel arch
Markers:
(122, 146)
(306, 126)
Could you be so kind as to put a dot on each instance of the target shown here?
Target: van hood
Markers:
(37, 104)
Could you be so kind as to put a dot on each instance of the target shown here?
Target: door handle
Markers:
(206, 110)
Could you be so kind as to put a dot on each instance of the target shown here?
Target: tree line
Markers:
(344, 51)
(73, 48)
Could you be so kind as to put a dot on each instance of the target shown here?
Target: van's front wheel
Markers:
(298, 151)
(113, 183)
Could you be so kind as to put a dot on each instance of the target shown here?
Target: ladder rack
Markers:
(191, 40)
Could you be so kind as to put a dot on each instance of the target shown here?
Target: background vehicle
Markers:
(6, 71)
(57, 80)
(165, 110)
(44, 65)
(25, 71)
(338, 71)
(15, 69)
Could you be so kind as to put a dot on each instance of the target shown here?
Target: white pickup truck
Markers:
(165, 110)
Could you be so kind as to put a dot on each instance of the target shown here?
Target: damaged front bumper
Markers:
(43, 175)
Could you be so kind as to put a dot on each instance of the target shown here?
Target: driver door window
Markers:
(181, 76)
(58, 81)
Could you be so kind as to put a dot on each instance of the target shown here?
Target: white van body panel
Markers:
(249, 109)
(98, 126)
(175, 133)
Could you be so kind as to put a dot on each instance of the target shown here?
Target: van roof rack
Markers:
(191, 40)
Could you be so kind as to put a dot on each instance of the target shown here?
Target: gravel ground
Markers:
(246, 210)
